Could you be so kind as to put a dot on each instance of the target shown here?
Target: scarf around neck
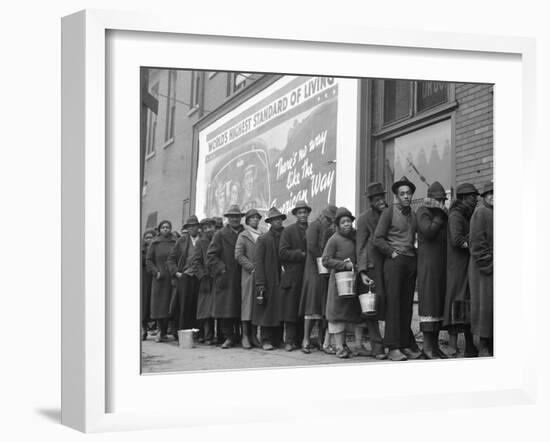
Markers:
(255, 233)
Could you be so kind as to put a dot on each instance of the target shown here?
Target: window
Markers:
(397, 100)
(170, 106)
(430, 93)
(423, 156)
(237, 81)
(152, 124)
(196, 85)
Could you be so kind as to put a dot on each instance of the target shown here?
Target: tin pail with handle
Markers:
(368, 302)
(187, 338)
(345, 283)
(321, 268)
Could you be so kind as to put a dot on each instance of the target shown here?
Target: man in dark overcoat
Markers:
(227, 276)
(395, 239)
(187, 285)
(456, 314)
(267, 311)
(481, 271)
(432, 268)
(370, 262)
(205, 302)
(292, 252)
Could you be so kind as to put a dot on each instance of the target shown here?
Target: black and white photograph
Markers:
(292, 220)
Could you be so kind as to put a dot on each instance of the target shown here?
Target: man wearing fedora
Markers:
(187, 285)
(266, 314)
(370, 262)
(292, 252)
(481, 271)
(227, 276)
(432, 268)
(394, 237)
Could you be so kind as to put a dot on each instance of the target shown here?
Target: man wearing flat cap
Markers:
(481, 271)
(292, 252)
(394, 237)
(227, 276)
(266, 314)
(187, 285)
(370, 262)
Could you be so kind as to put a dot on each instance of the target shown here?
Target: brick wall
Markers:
(474, 134)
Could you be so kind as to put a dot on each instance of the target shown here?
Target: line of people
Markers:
(241, 283)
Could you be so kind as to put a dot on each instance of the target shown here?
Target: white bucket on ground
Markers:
(186, 338)
(345, 283)
(321, 268)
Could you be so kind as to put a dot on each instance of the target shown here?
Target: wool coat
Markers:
(205, 304)
(313, 298)
(457, 295)
(369, 259)
(339, 248)
(292, 252)
(226, 272)
(161, 289)
(244, 254)
(146, 282)
(268, 275)
(481, 271)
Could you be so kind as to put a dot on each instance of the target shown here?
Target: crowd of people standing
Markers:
(267, 289)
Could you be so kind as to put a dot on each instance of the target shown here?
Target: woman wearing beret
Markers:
(339, 255)
(161, 290)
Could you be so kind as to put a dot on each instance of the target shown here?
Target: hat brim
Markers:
(370, 195)
(293, 211)
(228, 214)
(282, 216)
(337, 220)
(395, 186)
(486, 192)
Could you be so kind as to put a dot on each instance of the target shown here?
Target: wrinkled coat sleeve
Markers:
(150, 260)
(480, 247)
(286, 253)
(214, 259)
(428, 225)
(173, 258)
(361, 243)
(329, 260)
(381, 232)
(457, 235)
(259, 262)
(240, 254)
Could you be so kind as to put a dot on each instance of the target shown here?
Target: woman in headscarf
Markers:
(339, 255)
(146, 281)
(161, 289)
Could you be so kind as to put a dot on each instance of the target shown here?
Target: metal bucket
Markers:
(321, 268)
(345, 283)
(368, 302)
(186, 338)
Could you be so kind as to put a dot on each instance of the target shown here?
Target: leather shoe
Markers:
(290, 347)
(411, 354)
(396, 355)
(441, 353)
(430, 354)
(267, 346)
(378, 351)
(228, 343)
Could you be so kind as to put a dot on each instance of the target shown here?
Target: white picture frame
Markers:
(86, 203)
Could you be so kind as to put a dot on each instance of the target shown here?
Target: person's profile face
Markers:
(488, 198)
(208, 227)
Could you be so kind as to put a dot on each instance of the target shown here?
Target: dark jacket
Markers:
(457, 294)
(338, 249)
(314, 287)
(226, 272)
(431, 263)
(179, 259)
(205, 302)
(268, 276)
(146, 282)
(161, 289)
(481, 271)
(292, 252)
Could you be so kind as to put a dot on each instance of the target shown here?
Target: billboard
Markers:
(274, 150)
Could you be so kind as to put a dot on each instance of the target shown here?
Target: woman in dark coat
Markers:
(339, 255)
(227, 275)
(205, 303)
(267, 312)
(456, 314)
(481, 271)
(432, 268)
(161, 290)
(146, 282)
(292, 252)
(314, 288)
